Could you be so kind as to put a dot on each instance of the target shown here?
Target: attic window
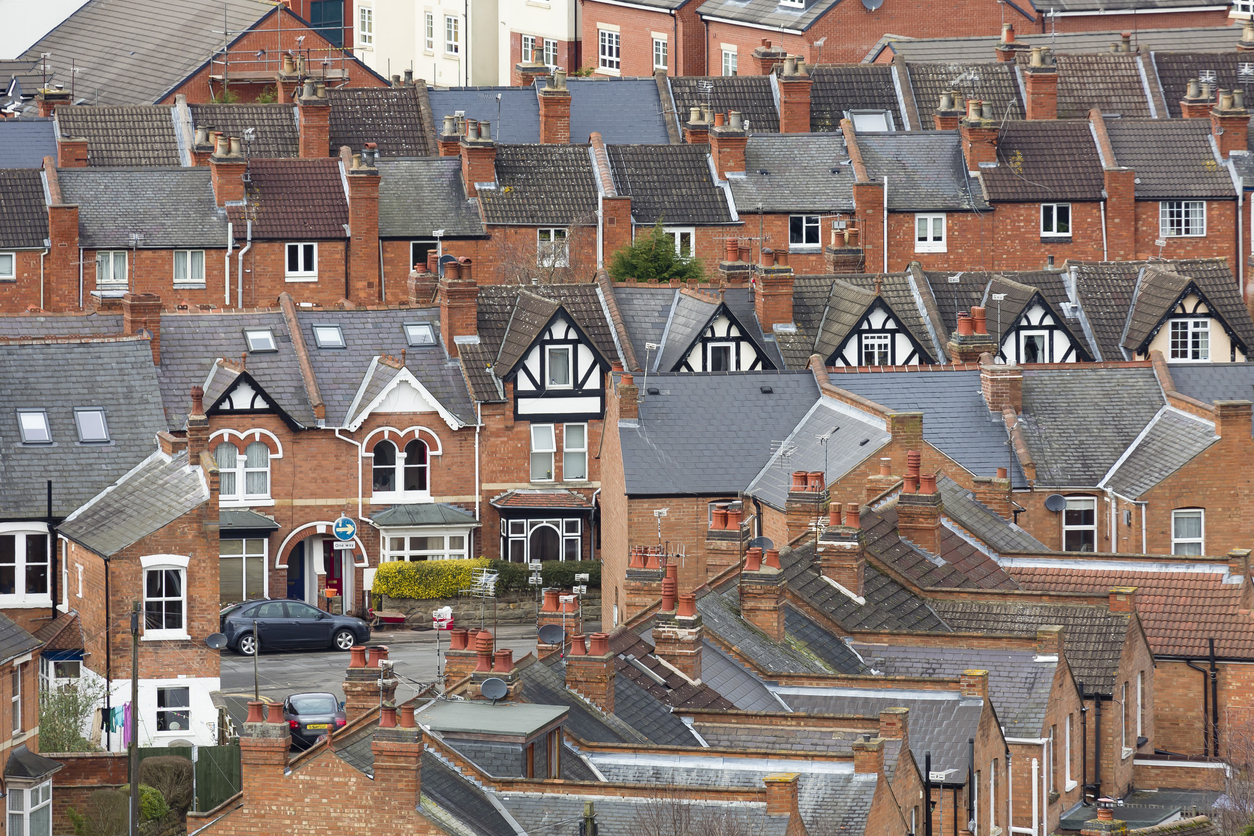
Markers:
(92, 427)
(34, 426)
(328, 336)
(871, 121)
(260, 339)
(793, 4)
(419, 333)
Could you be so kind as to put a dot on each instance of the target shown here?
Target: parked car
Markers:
(289, 625)
(310, 716)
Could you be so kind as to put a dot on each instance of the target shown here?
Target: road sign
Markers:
(344, 547)
(344, 529)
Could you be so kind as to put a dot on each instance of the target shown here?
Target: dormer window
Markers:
(92, 427)
(328, 336)
(793, 4)
(34, 426)
(259, 339)
(557, 361)
(1190, 339)
(419, 333)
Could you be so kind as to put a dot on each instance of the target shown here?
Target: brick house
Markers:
(25, 239)
(637, 39)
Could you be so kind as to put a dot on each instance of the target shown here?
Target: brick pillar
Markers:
(1120, 186)
(592, 674)
(948, 114)
(868, 202)
(762, 598)
(794, 99)
(895, 724)
(1049, 641)
(616, 233)
(772, 298)
(974, 683)
(478, 154)
(994, 493)
(263, 747)
(143, 311)
(727, 145)
(918, 514)
(678, 638)
(765, 57)
(71, 153)
(459, 315)
(979, 136)
(555, 111)
(842, 550)
(48, 99)
(1041, 80)
(1230, 122)
(1122, 599)
(1002, 386)
(628, 398)
(398, 760)
(61, 269)
(314, 120)
(226, 170)
(868, 756)
(526, 73)
(197, 426)
(363, 223)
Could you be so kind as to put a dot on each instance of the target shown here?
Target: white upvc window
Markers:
(804, 231)
(30, 810)
(400, 474)
(793, 4)
(24, 568)
(558, 373)
(241, 569)
(111, 270)
(719, 357)
(1182, 219)
(729, 62)
(992, 794)
(877, 349)
(260, 340)
(429, 32)
(528, 49)
(685, 238)
(554, 539)
(1190, 339)
(1050, 765)
(452, 35)
(871, 121)
(174, 709)
(424, 544)
(1123, 719)
(575, 452)
(552, 247)
(1079, 524)
(165, 602)
(543, 447)
(1070, 784)
(302, 262)
(660, 57)
(929, 234)
(550, 53)
(1242, 9)
(15, 700)
(608, 50)
(8, 267)
(365, 26)
(1033, 346)
(1140, 705)
(1188, 531)
(189, 267)
(243, 478)
(1055, 220)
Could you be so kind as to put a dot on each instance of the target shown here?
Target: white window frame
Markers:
(260, 340)
(550, 53)
(661, 49)
(329, 336)
(192, 266)
(543, 443)
(429, 31)
(992, 795)
(365, 27)
(871, 121)
(1077, 501)
(162, 564)
(107, 280)
(549, 352)
(15, 701)
(1178, 541)
(1023, 345)
(1069, 783)
(239, 495)
(1140, 705)
(81, 423)
(1182, 219)
(397, 544)
(452, 35)
(399, 494)
(1049, 220)
(516, 533)
(20, 597)
(26, 427)
(730, 347)
(884, 340)
(930, 243)
(1049, 760)
(185, 710)
(528, 49)
(793, 4)
(683, 237)
(730, 62)
(306, 261)
(609, 51)
(580, 452)
(22, 803)
(553, 246)
(809, 224)
(1242, 7)
(1123, 720)
(250, 548)
(418, 334)
(8, 266)
(1195, 332)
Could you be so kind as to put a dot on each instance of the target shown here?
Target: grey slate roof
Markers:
(1201, 39)
(237, 519)
(982, 78)
(170, 207)
(926, 171)
(1019, 298)
(549, 813)
(117, 376)
(123, 135)
(460, 797)
(23, 210)
(1078, 422)
(1170, 441)
(25, 142)
(623, 110)
(838, 88)
(274, 125)
(671, 451)
(674, 689)
(541, 184)
(1157, 292)
(15, 641)
(749, 94)
(671, 184)
(477, 362)
(151, 496)
(1092, 637)
(515, 119)
(1173, 158)
(391, 117)
(956, 562)
(720, 613)
(651, 717)
(813, 638)
(439, 513)
(799, 738)
(23, 763)
(1045, 160)
(689, 315)
(767, 12)
(644, 310)
(545, 684)
(417, 197)
(961, 506)
(532, 314)
(1210, 382)
(734, 681)
(803, 172)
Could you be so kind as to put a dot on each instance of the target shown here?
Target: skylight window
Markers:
(419, 333)
(328, 336)
(92, 427)
(34, 426)
(260, 339)
(871, 121)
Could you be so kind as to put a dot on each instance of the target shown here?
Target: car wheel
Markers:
(344, 639)
(247, 645)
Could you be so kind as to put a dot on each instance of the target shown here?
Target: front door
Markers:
(296, 573)
(335, 569)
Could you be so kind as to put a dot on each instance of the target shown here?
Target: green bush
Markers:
(652, 256)
(107, 812)
(512, 577)
(562, 573)
(426, 579)
(170, 775)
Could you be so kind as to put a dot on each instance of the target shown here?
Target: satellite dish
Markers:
(216, 640)
(552, 634)
(493, 689)
(872, 5)
(1055, 502)
(763, 543)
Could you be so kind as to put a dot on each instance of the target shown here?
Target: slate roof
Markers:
(1201, 39)
(548, 813)
(123, 135)
(274, 125)
(531, 316)
(541, 184)
(751, 95)
(1045, 160)
(1110, 82)
(957, 563)
(496, 305)
(674, 690)
(23, 763)
(1215, 282)
(1180, 606)
(392, 117)
(671, 184)
(767, 13)
(294, 200)
(545, 684)
(438, 513)
(800, 738)
(26, 141)
(1173, 158)
(623, 110)
(735, 682)
(417, 197)
(838, 88)
(242, 519)
(1092, 637)
(170, 207)
(804, 172)
(984, 79)
(926, 171)
(644, 310)
(1210, 382)
(15, 641)
(117, 376)
(670, 451)
(151, 496)
(687, 319)
(23, 210)
(1174, 69)
(808, 636)
(514, 119)
(720, 614)
(1156, 295)
(460, 797)
(961, 506)
(636, 707)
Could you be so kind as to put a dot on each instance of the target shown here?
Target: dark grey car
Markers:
(310, 716)
(289, 625)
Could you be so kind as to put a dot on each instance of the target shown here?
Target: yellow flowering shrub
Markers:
(425, 578)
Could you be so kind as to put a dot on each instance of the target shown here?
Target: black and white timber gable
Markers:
(860, 328)
(230, 390)
(1035, 333)
(702, 336)
(1170, 313)
(558, 374)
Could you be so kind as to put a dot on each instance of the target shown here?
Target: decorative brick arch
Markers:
(402, 437)
(318, 527)
(241, 440)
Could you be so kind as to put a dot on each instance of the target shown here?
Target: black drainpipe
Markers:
(1205, 708)
(1097, 748)
(1084, 747)
(1214, 697)
(970, 779)
(927, 794)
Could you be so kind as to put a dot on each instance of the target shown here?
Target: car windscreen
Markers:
(314, 704)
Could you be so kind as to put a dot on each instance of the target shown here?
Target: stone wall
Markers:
(511, 608)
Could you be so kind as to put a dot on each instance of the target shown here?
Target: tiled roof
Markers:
(751, 95)
(23, 211)
(274, 126)
(1019, 298)
(541, 499)
(459, 796)
(1201, 39)
(294, 200)
(1174, 69)
(958, 290)
(477, 362)
(675, 691)
(541, 184)
(581, 301)
(1093, 638)
(794, 173)
(1173, 158)
(169, 207)
(514, 116)
(795, 737)
(545, 684)
(1210, 382)
(25, 142)
(417, 197)
(767, 13)
(1045, 160)
(392, 117)
(1157, 292)
(962, 508)
(549, 812)
(1170, 441)
(623, 110)
(720, 615)
(147, 498)
(641, 710)
(15, 641)
(1193, 826)
(736, 683)
(984, 79)
(671, 184)
(1112, 83)
(839, 88)
(64, 634)
(531, 316)
(959, 564)
(123, 135)
(926, 170)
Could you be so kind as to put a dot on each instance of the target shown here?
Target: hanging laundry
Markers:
(128, 724)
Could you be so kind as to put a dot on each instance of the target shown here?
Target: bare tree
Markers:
(671, 814)
(551, 260)
(1235, 812)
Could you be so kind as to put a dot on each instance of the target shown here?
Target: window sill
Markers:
(1171, 238)
(16, 602)
(301, 278)
(1127, 753)
(1055, 239)
(1071, 785)
(931, 249)
(398, 498)
(245, 503)
(189, 285)
(109, 294)
(805, 248)
(4, 279)
(609, 71)
(165, 636)
(539, 4)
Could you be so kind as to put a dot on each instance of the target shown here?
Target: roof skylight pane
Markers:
(34, 427)
(419, 333)
(91, 425)
(328, 336)
(260, 339)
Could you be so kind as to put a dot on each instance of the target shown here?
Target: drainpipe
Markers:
(1112, 509)
(361, 502)
(478, 487)
(885, 224)
(1205, 707)
(41, 277)
(596, 515)
(239, 297)
(927, 794)
(1214, 697)
(108, 659)
(230, 232)
(1240, 233)
(970, 779)
(383, 287)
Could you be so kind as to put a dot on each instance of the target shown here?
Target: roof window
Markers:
(34, 426)
(92, 427)
(328, 336)
(419, 333)
(259, 339)
(871, 121)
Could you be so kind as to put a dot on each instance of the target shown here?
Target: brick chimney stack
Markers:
(918, 514)
(527, 72)
(555, 111)
(478, 153)
(1122, 599)
(397, 750)
(1007, 48)
(1230, 122)
(677, 638)
(628, 398)
(226, 170)
(842, 550)
(794, 97)
(71, 152)
(362, 175)
(804, 507)
(727, 143)
(458, 296)
(974, 683)
(264, 745)
(1197, 101)
(762, 593)
(197, 427)
(592, 674)
(1002, 386)
(48, 99)
(979, 134)
(971, 338)
(994, 493)
(948, 115)
(142, 312)
(697, 128)
(313, 110)
(365, 678)
(449, 140)
(1041, 81)
(868, 756)
(765, 58)
(772, 296)
(895, 724)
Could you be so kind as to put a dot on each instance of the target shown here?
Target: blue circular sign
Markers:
(344, 529)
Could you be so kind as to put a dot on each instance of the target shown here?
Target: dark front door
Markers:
(331, 559)
(327, 17)
(296, 573)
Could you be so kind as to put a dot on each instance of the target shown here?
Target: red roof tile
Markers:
(541, 499)
(294, 200)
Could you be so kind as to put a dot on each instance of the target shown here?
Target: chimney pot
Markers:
(734, 121)
(753, 559)
(378, 654)
(409, 78)
(457, 639)
(450, 125)
(852, 517)
(799, 480)
(504, 661)
(719, 119)
(1001, 473)
(886, 466)
(600, 645)
(483, 648)
(254, 712)
(986, 110)
(979, 320)
(688, 605)
(357, 656)
(946, 100)
(927, 483)
(668, 594)
(833, 511)
(771, 561)
(407, 716)
(387, 718)
(1036, 57)
(1007, 33)
(577, 646)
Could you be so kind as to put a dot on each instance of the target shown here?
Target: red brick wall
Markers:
(635, 37)
(152, 271)
(1220, 240)
(616, 534)
(1130, 23)
(23, 292)
(265, 265)
(1019, 246)
(1179, 776)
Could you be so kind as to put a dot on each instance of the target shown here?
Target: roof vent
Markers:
(766, 390)
(652, 390)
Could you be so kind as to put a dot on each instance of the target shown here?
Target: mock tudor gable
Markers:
(859, 328)
(1028, 327)
(719, 342)
(1171, 314)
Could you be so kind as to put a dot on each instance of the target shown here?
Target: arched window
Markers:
(243, 478)
(226, 456)
(415, 466)
(384, 467)
(256, 471)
